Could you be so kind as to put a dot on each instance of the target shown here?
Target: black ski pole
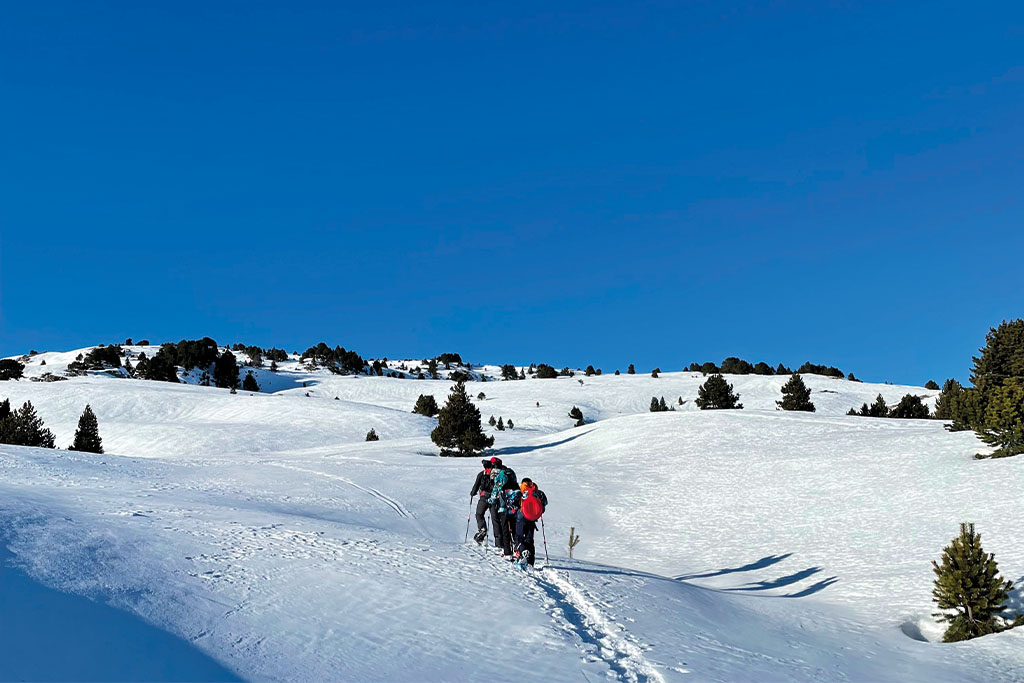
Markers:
(545, 537)
(467, 519)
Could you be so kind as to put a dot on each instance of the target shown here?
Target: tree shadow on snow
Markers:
(760, 564)
(515, 450)
(787, 580)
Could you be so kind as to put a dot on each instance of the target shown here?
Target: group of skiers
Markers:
(515, 508)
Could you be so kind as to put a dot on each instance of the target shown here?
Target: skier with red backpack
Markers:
(532, 503)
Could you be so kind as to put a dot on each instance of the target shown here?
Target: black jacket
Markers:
(482, 485)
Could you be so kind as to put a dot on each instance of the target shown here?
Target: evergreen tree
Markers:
(576, 413)
(372, 435)
(631, 370)
(432, 368)
(250, 383)
(1004, 419)
(426, 405)
(225, 371)
(654, 372)
(522, 374)
(508, 372)
(458, 431)
(87, 436)
(492, 421)
(501, 424)
(943, 402)
(545, 371)
(11, 369)
(735, 366)
(717, 394)
(617, 373)
(127, 367)
(709, 368)
(931, 384)
(910, 407)
(509, 424)
(481, 396)
(796, 395)
(662, 406)
(783, 370)
(25, 428)
(865, 410)
(763, 368)
(590, 371)
(878, 408)
(968, 584)
(852, 411)
(655, 407)
(852, 378)
(273, 366)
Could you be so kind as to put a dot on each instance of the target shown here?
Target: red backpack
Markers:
(532, 507)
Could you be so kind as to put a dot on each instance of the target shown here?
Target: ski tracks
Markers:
(399, 509)
(601, 638)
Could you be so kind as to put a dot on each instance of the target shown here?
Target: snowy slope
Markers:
(740, 545)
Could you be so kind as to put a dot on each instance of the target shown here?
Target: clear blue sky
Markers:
(652, 183)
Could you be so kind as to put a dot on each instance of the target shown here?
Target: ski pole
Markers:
(545, 537)
(466, 540)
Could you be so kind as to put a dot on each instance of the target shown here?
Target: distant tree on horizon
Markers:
(796, 395)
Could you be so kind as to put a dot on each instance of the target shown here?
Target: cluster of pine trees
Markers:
(659, 405)
(737, 366)
(11, 369)
(910, 407)
(24, 427)
(993, 406)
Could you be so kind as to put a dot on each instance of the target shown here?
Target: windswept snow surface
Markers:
(727, 545)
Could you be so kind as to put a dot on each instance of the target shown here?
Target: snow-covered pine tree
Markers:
(87, 436)
(796, 395)
(717, 394)
(968, 583)
(458, 431)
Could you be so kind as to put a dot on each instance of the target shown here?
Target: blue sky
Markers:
(648, 183)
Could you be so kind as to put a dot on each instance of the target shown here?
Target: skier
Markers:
(532, 504)
(482, 491)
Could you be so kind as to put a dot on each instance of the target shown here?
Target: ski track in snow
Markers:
(399, 509)
(600, 637)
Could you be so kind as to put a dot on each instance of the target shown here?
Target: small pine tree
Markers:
(796, 395)
(501, 424)
(372, 435)
(481, 396)
(717, 394)
(968, 583)
(910, 407)
(662, 406)
(617, 373)
(458, 431)
(631, 370)
(851, 411)
(426, 404)
(655, 372)
(492, 421)
(932, 384)
(878, 408)
(590, 371)
(655, 408)
(250, 383)
(509, 424)
(273, 366)
(576, 413)
(87, 436)
(679, 401)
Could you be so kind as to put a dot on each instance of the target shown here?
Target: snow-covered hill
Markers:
(731, 545)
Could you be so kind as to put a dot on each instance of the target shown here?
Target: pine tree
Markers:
(509, 424)
(426, 404)
(717, 394)
(910, 407)
(87, 436)
(225, 371)
(655, 407)
(432, 368)
(783, 370)
(508, 372)
(250, 383)
(631, 370)
(590, 371)
(655, 372)
(796, 395)
(1004, 419)
(865, 410)
(501, 424)
(492, 421)
(576, 413)
(481, 396)
(273, 366)
(931, 384)
(878, 408)
(26, 428)
(944, 401)
(11, 369)
(372, 435)
(458, 431)
(968, 583)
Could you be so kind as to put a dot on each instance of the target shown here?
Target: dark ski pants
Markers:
(502, 528)
(498, 525)
(524, 536)
(481, 510)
